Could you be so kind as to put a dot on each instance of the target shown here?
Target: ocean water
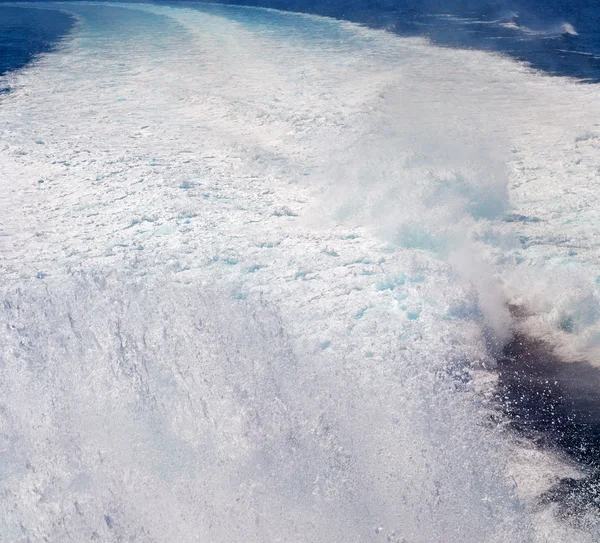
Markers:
(26, 32)
(557, 36)
(272, 276)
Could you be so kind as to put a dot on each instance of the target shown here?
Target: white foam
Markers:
(568, 28)
(348, 185)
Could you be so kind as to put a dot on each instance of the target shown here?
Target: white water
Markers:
(250, 260)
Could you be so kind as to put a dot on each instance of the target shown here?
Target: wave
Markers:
(258, 268)
(512, 21)
(553, 31)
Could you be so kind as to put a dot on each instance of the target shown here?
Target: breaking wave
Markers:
(554, 31)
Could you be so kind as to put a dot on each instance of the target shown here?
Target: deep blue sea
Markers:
(560, 37)
(27, 32)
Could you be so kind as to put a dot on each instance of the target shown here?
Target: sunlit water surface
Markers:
(256, 270)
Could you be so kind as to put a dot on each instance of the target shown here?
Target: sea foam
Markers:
(269, 255)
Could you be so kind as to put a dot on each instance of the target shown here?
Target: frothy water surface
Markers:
(256, 274)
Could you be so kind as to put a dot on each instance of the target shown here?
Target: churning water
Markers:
(257, 279)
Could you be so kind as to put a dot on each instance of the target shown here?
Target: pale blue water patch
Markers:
(105, 26)
(308, 32)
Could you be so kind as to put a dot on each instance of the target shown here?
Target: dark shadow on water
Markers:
(555, 404)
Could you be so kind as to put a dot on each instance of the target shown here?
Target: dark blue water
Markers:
(561, 37)
(27, 32)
